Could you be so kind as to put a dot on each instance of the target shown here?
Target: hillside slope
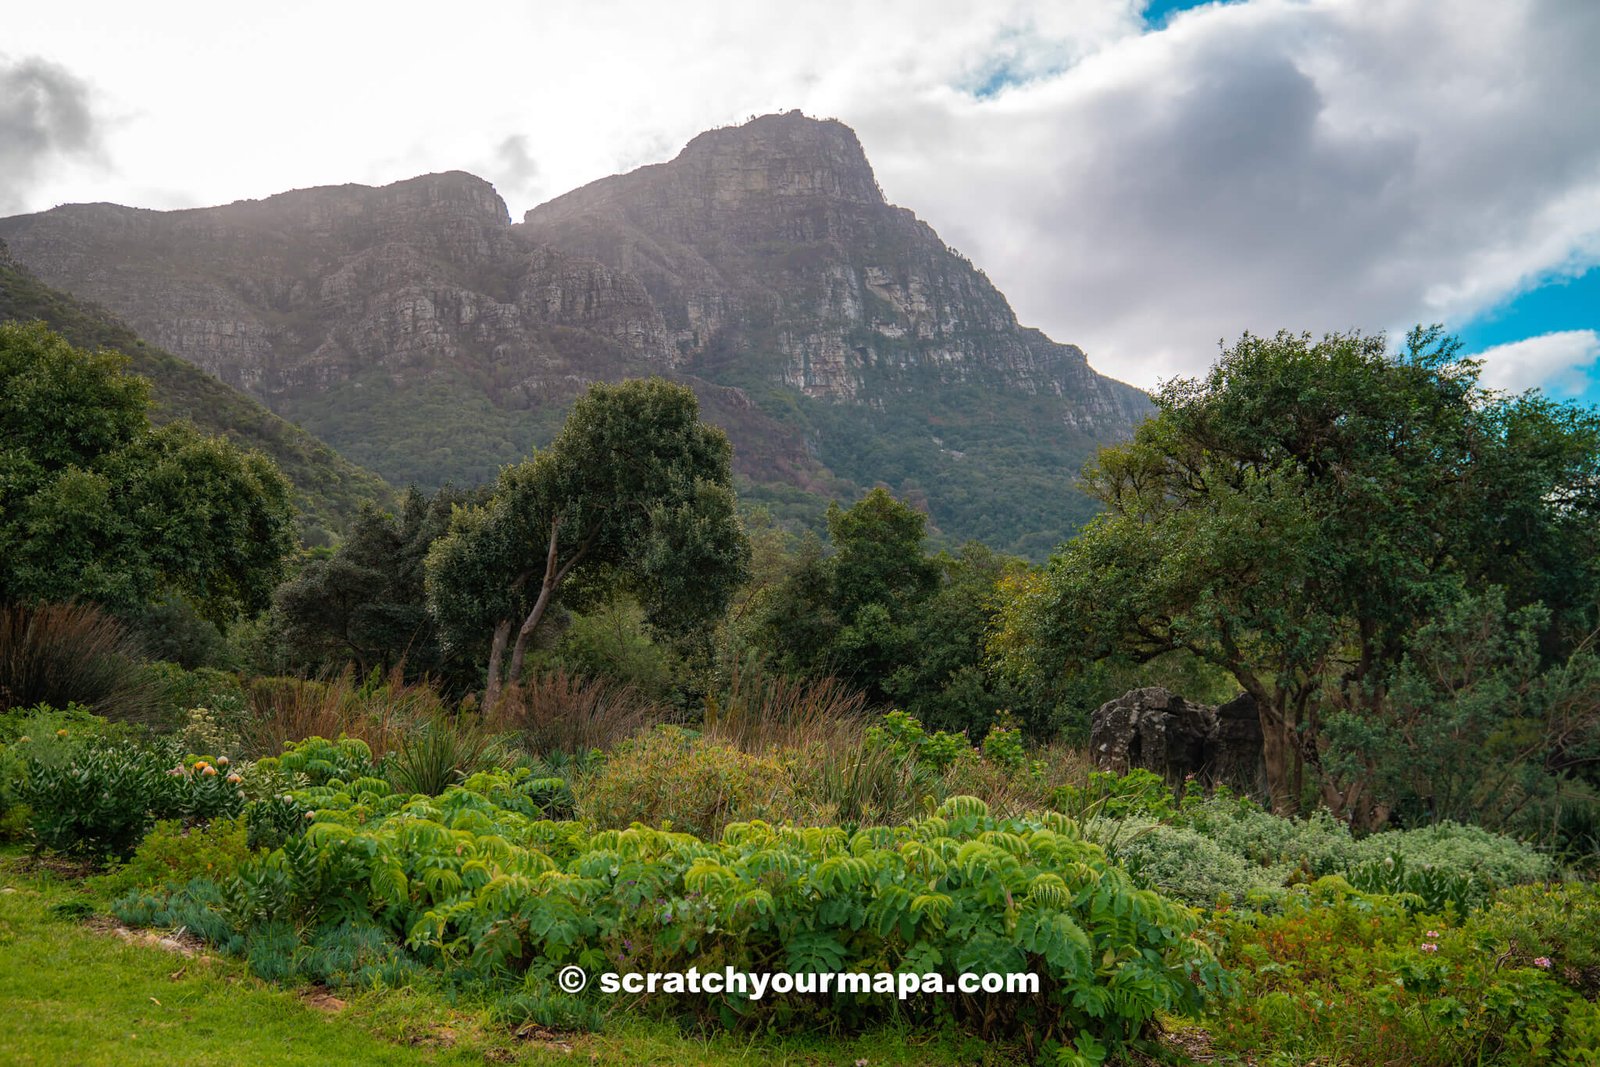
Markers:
(329, 490)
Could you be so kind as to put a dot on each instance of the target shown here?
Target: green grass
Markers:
(75, 993)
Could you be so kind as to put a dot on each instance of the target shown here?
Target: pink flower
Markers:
(1428, 946)
(1542, 961)
(1432, 933)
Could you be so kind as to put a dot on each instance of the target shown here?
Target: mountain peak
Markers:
(787, 154)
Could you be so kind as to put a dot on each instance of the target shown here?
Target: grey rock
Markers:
(1158, 730)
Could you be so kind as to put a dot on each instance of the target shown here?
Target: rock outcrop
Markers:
(1157, 730)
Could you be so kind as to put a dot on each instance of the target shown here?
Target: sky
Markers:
(1147, 180)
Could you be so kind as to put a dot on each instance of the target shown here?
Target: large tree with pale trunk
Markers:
(1298, 514)
(635, 492)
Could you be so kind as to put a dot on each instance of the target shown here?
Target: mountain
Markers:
(418, 330)
(329, 490)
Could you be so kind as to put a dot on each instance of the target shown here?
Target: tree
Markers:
(849, 613)
(906, 627)
(945, 681)
(96, 505)
(1295, 515)
(366, 603)
(634, 491)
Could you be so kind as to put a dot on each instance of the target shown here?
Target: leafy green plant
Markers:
(1494, 859)
(1556, 927)
(1185, 864)
(1106, 795)
(904, 736)
(475, 887)
(1340, 976)
(99, 796)
(321, 761)
(1433, 890)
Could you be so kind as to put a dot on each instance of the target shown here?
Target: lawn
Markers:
(77, 993)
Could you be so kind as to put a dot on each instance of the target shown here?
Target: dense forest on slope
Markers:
(329, 489)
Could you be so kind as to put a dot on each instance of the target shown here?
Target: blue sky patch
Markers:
(1159, 12)
(1558, 305)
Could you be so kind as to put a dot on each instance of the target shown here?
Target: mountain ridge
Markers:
(419, 331)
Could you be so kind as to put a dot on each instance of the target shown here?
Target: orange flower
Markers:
(212, 771)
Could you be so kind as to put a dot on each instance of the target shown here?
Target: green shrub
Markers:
(1556, 927)
(441, 753)
(674, 776)
(904, 736)
(1340, 977)
(1105, 795)
(1316, 845)
(39, 733)
(98, 794)
(1185, 864)
(172, 854)
(98, 797)
(1497, 860)
(840, 784)
(320, 761)
(219, 692)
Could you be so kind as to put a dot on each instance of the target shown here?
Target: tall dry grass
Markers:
(292, 709)
(760, 710)
(567, 713)
(58, 654)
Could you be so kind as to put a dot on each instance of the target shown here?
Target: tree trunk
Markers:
(552, 578)
(497, 652)
(1277, 752)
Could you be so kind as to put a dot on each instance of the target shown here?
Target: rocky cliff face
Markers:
(421, 332)
(291, 294)
(774, 238)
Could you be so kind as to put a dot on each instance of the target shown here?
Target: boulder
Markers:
(1156, 729)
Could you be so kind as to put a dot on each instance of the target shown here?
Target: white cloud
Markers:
(1327, 165)
(1556, 361)
(1306, 164)
(45, 121)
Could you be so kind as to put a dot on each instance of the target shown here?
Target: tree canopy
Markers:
(364, 603)
(1295, 515)
(97, 505)
(635, 492)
